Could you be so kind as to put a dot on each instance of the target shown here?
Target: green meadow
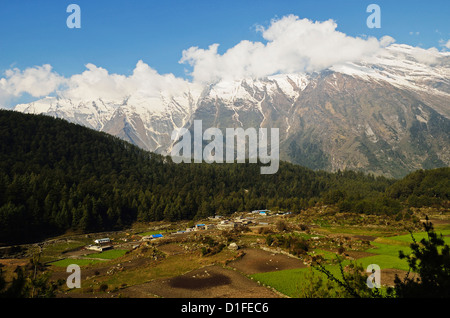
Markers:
(421, 235)
(386, 249)
(91, 258)
(107, 255)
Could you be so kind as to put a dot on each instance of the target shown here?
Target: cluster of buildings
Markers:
(268, 212)
(223, 224)
(218, 222)
(200, 227)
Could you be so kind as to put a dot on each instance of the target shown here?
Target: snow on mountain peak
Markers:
(404, 66)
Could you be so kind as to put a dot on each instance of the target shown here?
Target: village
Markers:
(254, 221)
(244, 254)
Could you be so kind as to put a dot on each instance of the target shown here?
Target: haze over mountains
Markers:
(386, 115)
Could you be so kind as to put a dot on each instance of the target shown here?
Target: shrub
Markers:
(103, 287)
(430, 258)
(281, 226)
(269, 240)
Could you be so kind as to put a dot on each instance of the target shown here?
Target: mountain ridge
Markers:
(326, 119)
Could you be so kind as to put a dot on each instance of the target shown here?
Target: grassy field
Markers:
(288, 282)
(107, 255)
(385, 262)
(355, 230)
(291, 282)
(99, 257)
(53, 252)
(388, 249)
(420, 235)
(325, 254)
(80, 262)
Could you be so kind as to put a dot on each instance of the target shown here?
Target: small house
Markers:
(102, 241)
(151, 237)
(99, 248)
(200, 227)
(226, 225)
(261, 212)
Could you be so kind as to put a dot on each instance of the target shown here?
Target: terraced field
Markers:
(386, 255)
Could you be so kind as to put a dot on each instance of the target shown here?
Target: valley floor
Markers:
(240, 256)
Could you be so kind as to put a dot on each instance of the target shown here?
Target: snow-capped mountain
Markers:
(388, 115)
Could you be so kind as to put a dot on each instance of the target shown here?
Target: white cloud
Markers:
(425, 56)
(37, 81)
(95, 82)
(292, 45)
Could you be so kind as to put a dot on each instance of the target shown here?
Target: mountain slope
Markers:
(388, 115)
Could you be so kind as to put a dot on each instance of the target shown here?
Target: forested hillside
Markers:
(56, 176)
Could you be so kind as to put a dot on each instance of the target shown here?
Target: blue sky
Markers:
(116, 34)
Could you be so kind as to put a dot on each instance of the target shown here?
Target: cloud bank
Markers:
(36, 81)
(94, 83)
(292, 45)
